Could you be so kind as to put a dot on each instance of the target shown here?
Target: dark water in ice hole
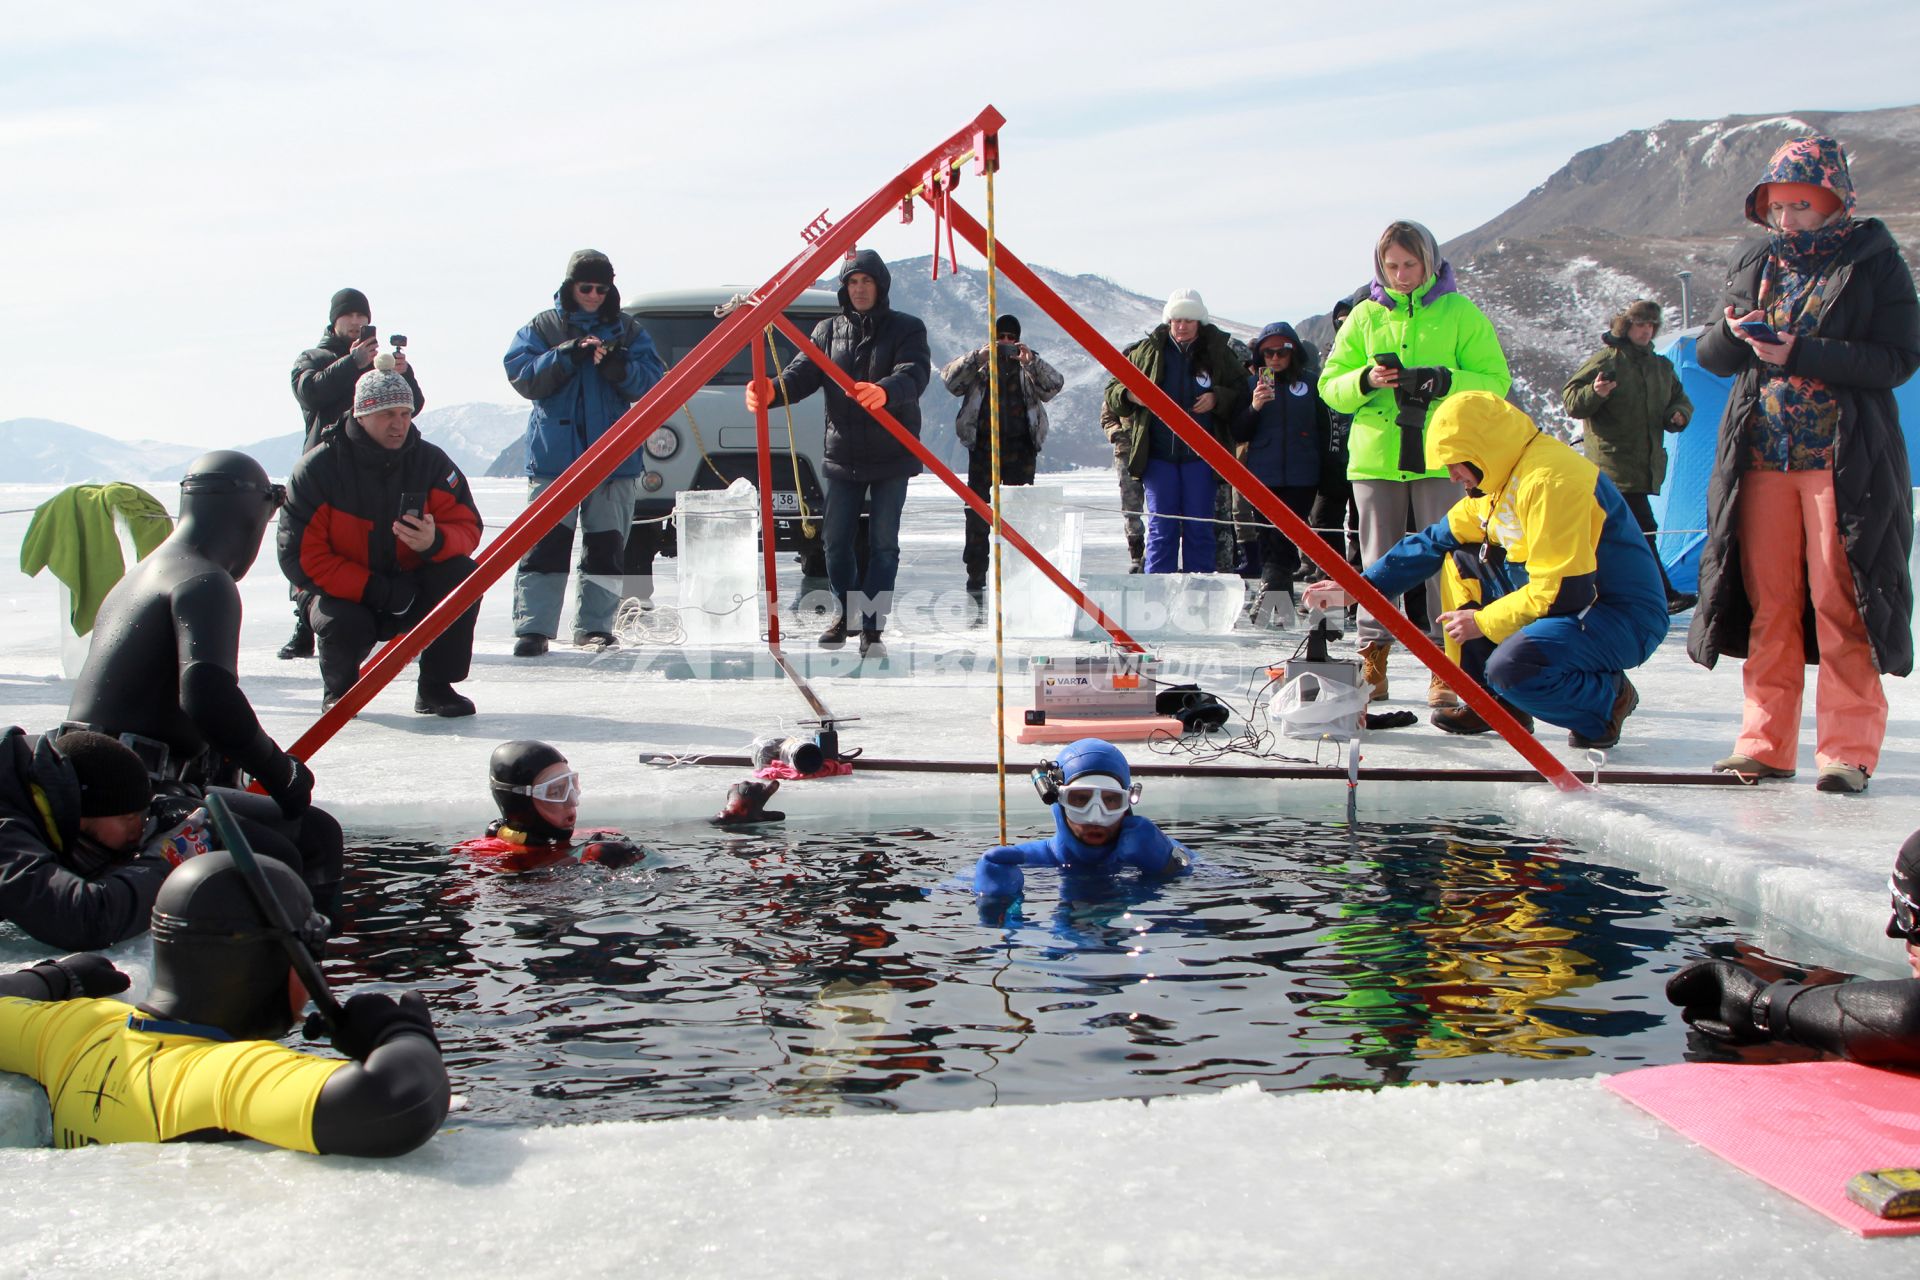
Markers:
(812, 971)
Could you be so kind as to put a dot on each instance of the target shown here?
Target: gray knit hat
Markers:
(381, 388)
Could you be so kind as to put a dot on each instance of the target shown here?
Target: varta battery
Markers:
(1117, 684)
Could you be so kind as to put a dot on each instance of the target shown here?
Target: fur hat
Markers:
(112, 778)
(381, 388)
(1642, 311)
(348, 300)
(590, 265)
(1183, 304)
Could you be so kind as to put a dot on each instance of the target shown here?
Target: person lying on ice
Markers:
(196, 1059)
(538, 794)
(1095, 830)
(1877, 1023)
(1550, 590)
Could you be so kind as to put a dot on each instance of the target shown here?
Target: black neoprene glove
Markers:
(1428, 382)
(613, 367)
(291, 785)
(80, 976)
(1717, 998)
(371, 1019)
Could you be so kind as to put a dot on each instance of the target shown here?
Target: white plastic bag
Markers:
(1314, 709)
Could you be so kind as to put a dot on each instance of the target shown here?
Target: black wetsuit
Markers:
(1877, 1023)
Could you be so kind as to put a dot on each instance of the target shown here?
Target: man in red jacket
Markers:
(378, 529)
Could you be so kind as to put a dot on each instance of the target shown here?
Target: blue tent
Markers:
(1681, 507)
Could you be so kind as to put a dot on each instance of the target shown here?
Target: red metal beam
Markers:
(1236, 474)
(631, 431)
(959, 486)
(764, 443)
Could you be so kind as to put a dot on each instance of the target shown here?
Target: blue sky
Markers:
(186, 185)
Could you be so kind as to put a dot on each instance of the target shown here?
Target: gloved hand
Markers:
(998, 874)
(616, 852)
(1427, 382)
(83, 976)
(291, 789)
(613, 366)
(870, 395)
(575, 350)
(1716, 998)
(370, 1019)
(759, 394)
(389, 592)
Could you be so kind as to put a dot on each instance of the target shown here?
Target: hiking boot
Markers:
(529, 646)
(597, 641)
(1680, 602)
(1463, 719)
(976, 581)
(1849, 779)
(301, 645)
(1271, 609)
(1623, 704)
(1373, 670)
(870, 645)
(835, 635)
(1747, 766)
(1441, 694)
(441, 700)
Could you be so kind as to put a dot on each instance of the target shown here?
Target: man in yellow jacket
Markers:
(1550, 592)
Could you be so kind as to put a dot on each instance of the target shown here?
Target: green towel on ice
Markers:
(72, 533)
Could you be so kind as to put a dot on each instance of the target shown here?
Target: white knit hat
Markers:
(1184, 304)
(381, 388)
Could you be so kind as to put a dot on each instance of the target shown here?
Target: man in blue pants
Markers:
(1550, 590)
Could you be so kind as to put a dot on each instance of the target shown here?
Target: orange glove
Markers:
(759, 394)
(870, 395)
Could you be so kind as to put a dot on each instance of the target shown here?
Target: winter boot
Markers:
(1373, 667)
(301, 645)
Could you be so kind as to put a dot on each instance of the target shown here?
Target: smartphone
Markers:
(412, 505)
(368, 332)
(1387, 360)
(1759, 330)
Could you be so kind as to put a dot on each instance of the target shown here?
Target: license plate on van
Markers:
(786, 500)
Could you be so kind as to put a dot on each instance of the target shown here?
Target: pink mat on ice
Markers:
(1803, 1127)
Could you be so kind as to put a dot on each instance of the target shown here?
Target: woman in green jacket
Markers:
(1412, 342)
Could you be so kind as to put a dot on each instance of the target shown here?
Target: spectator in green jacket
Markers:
(1413, 341)
(1628, 394)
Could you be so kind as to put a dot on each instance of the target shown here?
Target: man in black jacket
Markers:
(885, 352)
(1877, 1023)
(163, 672)
(73, 812)
(379, 527)
(323, 379)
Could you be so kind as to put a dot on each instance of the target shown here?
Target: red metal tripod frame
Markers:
(620, 440)
(1236, 474)
(959, 486)
(764, 442)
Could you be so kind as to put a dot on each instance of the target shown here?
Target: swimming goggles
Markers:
(1097, 799)
(555, 790)
(1906, 914)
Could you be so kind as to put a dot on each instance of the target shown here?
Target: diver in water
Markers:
(1095, 830)
(538, 794)
(1877, 1023)
(162, 674)
(196, 1060)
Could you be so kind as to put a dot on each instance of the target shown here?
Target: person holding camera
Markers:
(1809, 508)
(378, 528)
(583, 363)
(1413, 341)
(1629, 395)
(323, 379)
(1026, 384)
(1288, 448)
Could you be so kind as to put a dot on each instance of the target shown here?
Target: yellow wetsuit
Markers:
(114, 1075)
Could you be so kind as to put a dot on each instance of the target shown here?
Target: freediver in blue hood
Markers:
(1095, 830)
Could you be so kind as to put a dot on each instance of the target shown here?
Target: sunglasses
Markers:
(1097, 804)
(558, 790)
(1270, 352)
(592, 288)
(1906, 914)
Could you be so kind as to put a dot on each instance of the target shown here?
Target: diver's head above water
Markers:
(1094, 790)
(537, 791)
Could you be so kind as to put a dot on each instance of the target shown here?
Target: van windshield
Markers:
(676, 333)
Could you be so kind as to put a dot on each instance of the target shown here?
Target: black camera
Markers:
(397, 341)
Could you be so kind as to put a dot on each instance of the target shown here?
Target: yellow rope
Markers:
(993, 424)
(807, 526)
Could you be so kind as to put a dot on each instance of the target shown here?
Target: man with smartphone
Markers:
(373, 541)
(1629, 396)
(323, 378)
